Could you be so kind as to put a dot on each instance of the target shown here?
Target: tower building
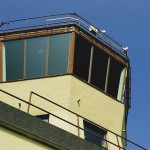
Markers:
(64, 84)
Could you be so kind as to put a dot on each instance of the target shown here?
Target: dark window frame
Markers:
(94, 134)
(46, 57)
(107, 71)
(44, 117)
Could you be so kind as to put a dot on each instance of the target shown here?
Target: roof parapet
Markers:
(62, 19)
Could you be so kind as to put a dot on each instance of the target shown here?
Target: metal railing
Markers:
(62, 19)
(108, 143)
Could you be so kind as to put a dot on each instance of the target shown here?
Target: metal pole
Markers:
(29, 102)
(78, 124)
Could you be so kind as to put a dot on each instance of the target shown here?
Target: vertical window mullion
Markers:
(3, 63)
(71, 52)
(107, 74)
(90, 66)
(24, 66)
(47, 54)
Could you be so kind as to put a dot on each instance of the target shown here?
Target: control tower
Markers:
(64, 84)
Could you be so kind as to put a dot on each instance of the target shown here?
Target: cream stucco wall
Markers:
(96, 106)
(10, 140)
(67, 90)
(55, 88)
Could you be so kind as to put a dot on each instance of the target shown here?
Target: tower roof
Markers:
(59, 20)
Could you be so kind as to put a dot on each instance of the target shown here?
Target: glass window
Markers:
(94, 134)
(44, 117)
(115, 71)
(82, 58)
(36, 57)
(58, 54)
(99, 68)
(14, 59)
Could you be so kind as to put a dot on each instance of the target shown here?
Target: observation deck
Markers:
(58, 20)
(64, 70)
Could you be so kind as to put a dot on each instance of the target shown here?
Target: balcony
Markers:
(110, 141)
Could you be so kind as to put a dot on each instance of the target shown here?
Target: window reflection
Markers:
(35, 57)
(14, 59)
(58, 54)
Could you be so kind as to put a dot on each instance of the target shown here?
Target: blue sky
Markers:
(126, 21)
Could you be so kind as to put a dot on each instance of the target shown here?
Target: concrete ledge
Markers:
(39, 130)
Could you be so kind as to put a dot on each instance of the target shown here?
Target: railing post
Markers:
(118, 142)
(5, 26)
(29, 102)
(26, 24)
(78, 20)
(68, 19)
(78, 124)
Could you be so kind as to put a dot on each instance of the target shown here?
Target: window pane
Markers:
(44, 117)
(121, 82)
(114, 77)
(58, 54)
(14, 53)
(36, 57)
(99, 69)
(82, 58)
(94, 134)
